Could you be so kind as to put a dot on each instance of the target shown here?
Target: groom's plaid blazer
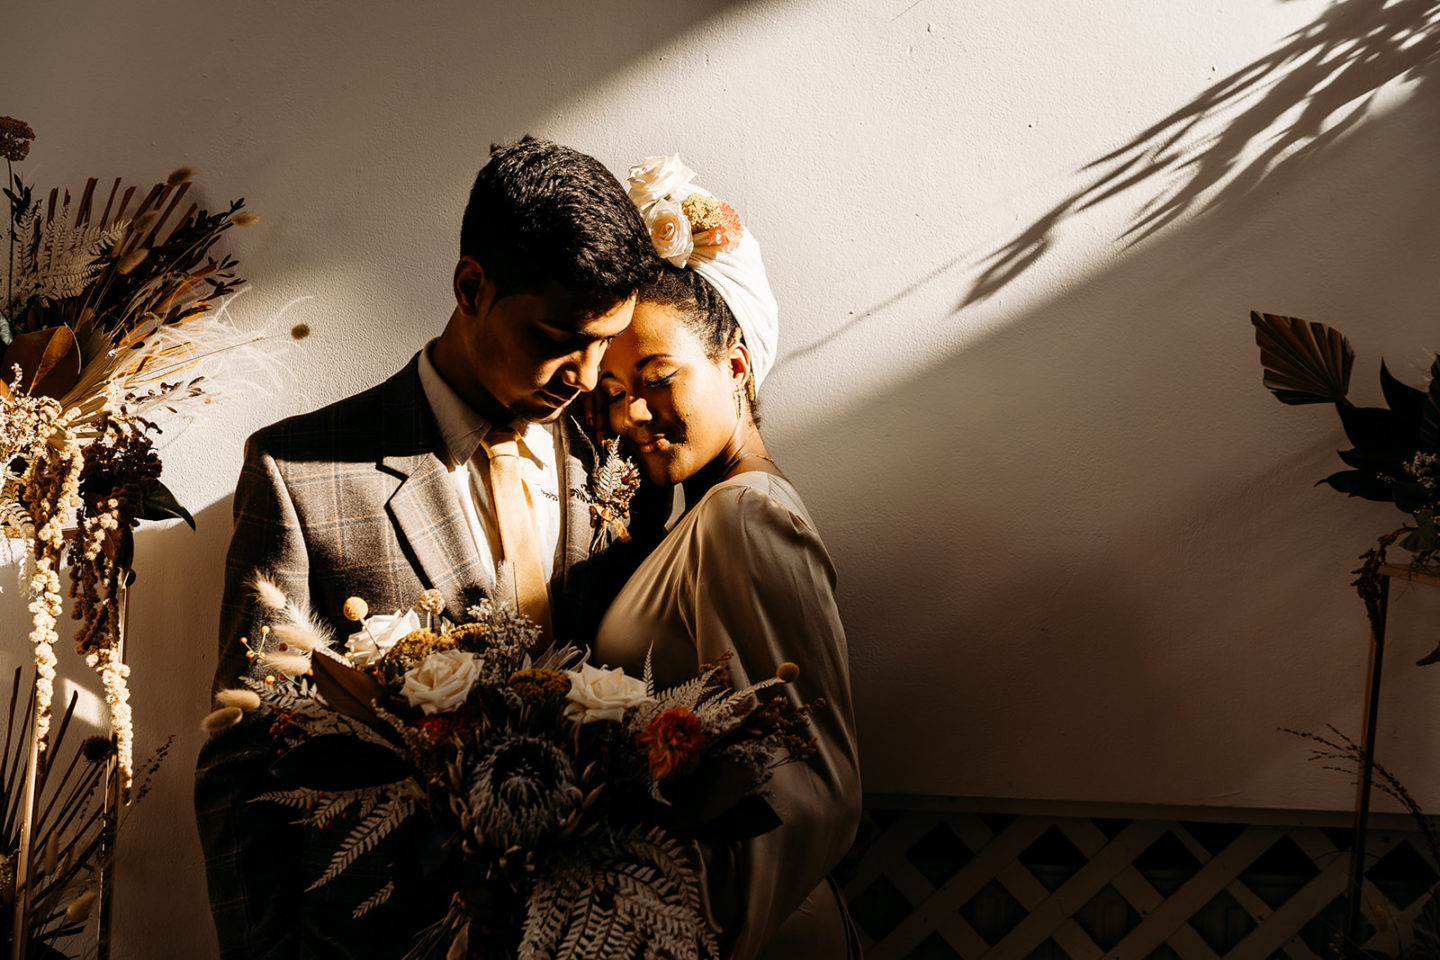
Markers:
(351, 500)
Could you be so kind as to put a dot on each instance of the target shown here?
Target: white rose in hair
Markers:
(442, 681)
(378, 634)
(597, 694)
(670, 232)
(657, 177)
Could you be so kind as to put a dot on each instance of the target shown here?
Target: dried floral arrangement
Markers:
(74, 838)
(1395, 452)
(107, 301)
(560, 790)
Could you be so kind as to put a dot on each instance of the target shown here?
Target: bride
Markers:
(743, 569)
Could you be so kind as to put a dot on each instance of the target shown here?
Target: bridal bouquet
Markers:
(566, 789)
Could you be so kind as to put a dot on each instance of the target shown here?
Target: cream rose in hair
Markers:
(378, 634)
(670, 231)
(655, 178)
(598, 694)
(442, 681)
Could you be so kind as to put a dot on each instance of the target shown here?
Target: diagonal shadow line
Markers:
(1330, 69)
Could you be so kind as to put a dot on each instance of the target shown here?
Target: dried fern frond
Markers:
(381, 822)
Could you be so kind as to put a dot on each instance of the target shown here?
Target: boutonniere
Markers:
(612, 486)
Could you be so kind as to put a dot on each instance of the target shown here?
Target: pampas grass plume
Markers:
(267, 593)
(298, 636)
(290, 664)
(144, 222)
(179, 176)
(244, 219)
(244, 699)
(220, 719)
(132, 260)
(79, 908)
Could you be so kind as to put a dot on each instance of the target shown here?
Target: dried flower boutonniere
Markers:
(612, 487)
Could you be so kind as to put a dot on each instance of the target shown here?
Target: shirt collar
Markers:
(462, 428)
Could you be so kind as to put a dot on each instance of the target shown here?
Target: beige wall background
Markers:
(1015, 246)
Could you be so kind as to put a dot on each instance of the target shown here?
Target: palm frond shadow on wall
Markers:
(1304, 95)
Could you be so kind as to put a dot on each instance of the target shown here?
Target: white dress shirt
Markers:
(462, 430)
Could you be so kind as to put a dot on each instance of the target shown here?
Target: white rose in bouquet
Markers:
(597, 694)
(378, 634)
(657, 177)
(442, 681)
(671, 232)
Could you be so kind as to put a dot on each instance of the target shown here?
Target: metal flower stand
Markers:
(1378, 607)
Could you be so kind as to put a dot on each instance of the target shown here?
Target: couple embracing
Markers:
(469, 473)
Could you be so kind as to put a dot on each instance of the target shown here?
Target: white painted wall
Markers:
(1081, 555)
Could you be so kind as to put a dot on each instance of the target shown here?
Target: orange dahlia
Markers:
(672, 743)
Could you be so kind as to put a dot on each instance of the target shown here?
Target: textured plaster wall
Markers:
(1080, 554)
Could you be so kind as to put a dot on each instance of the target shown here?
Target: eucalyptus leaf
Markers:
(1422, 538)
(160, 504)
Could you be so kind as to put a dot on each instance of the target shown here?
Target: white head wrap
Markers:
(658, 187)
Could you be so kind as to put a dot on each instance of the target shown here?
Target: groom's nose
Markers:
(582, 372)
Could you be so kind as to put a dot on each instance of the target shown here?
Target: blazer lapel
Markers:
(578, 531)
(425, 509)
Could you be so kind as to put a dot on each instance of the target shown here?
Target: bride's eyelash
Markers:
(660, 381)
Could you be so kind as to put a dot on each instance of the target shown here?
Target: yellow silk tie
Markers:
(514, 518)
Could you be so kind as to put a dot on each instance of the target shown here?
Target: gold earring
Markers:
(738, 388)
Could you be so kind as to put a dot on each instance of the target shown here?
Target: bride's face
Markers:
(673, 404)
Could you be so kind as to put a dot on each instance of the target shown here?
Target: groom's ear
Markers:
(474, 293)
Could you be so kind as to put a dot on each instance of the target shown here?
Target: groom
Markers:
(461, 473)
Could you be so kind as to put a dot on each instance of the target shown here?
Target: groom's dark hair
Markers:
(541, 214)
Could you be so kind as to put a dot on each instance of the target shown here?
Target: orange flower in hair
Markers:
(672, 743)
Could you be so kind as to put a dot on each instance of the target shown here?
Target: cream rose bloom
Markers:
(670, 232)
(597, 694)
(657, 177)
(378, 634)
(442, 681)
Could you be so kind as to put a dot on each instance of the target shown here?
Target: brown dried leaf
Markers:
(49, 361)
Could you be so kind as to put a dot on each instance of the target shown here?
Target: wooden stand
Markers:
(1388, 571)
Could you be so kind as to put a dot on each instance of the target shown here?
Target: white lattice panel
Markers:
(940, 886)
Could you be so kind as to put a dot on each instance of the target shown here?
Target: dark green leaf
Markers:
(335, 761)
(1377, 430)
(1370, 461)
(1358, 483)
(1407, 402)
(160, 504)
(1410, 496)
(1430, 418)
(1304, 362)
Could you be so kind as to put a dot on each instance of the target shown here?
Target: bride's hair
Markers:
(705, 313)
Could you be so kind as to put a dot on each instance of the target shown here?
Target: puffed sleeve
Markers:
(763, 586)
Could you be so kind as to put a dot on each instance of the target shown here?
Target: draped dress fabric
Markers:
(744, 570)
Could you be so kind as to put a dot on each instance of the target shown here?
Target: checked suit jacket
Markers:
(354, 499)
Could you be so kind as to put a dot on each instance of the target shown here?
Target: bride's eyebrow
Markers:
(643, 362)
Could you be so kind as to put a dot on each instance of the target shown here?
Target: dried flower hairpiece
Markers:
(685, 221)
